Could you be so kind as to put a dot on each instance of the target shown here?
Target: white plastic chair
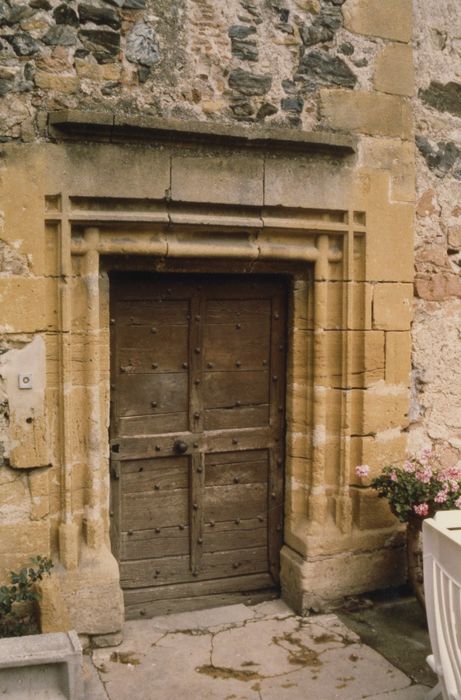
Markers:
(442, 589)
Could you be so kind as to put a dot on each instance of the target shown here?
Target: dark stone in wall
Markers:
(250, 7)
(60, 35)
(290, 87)
(5, 87)
(23, 44)
(238, 31)
(245, 50)
(102, 43)
(443, 159)
(285, 28)
(127, 4)
(63, 14)
(292, 104)
(346, 48)
(134, 4)
(266, 110)
(444, 97)
(249, 83)
(81, 53)
(99, 15)
(4, 12)
(20, 12)
(242, 109)
(326, 69)
(324, 26)
(40, 4)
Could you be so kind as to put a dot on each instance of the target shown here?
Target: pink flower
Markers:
(362, 470)
(393, 476)
(458, 503)
(424, 475)
(422, 509)
(451, 473)
(441, 497)
(408, 467)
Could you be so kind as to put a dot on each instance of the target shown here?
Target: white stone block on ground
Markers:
(41, 667)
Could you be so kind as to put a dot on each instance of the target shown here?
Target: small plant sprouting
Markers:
(17, 615)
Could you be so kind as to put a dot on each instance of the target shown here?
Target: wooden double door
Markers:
(197, 435)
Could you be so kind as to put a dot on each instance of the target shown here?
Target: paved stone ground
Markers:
(239, 652)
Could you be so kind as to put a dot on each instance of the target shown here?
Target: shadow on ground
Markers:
(394, 624)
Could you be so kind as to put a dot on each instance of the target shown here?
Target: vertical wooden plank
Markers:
(196, 361)
(115, 507)
(196, 517)
(277, 422)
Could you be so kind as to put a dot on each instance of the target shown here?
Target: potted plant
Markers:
(416, 490)
(18, 609)
(28, 656)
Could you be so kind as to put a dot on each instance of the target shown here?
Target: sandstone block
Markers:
(307, 182)
(394, 71)
(60, 83)
(366, 352)
(390, 243)
(19, 542)
(92, 170)
(304, 582)
(367, 358)
(54, 616)
(90, 71)
(366, 113)
(398, 357)
(236, 179)
(96, 579)
(22, 300)
(372, 512)
(392, 306)
(387, 447)
(391, 19)
(384, 408)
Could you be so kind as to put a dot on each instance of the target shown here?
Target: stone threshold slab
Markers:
(72, 123)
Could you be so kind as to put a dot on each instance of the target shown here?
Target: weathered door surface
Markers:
(196, 438)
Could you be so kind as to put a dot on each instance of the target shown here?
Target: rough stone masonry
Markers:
(85, 89)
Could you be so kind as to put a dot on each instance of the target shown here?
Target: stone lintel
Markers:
(75, 123)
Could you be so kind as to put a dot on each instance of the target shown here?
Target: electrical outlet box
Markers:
(25, 380)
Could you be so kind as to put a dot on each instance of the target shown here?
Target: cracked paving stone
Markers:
(92, 684)
(344, 673)
(415, 692)
(273, 647)
(239, 652)
(214, 617)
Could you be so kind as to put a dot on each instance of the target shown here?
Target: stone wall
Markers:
(332, 66)
(436, 407)
(197, 59)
